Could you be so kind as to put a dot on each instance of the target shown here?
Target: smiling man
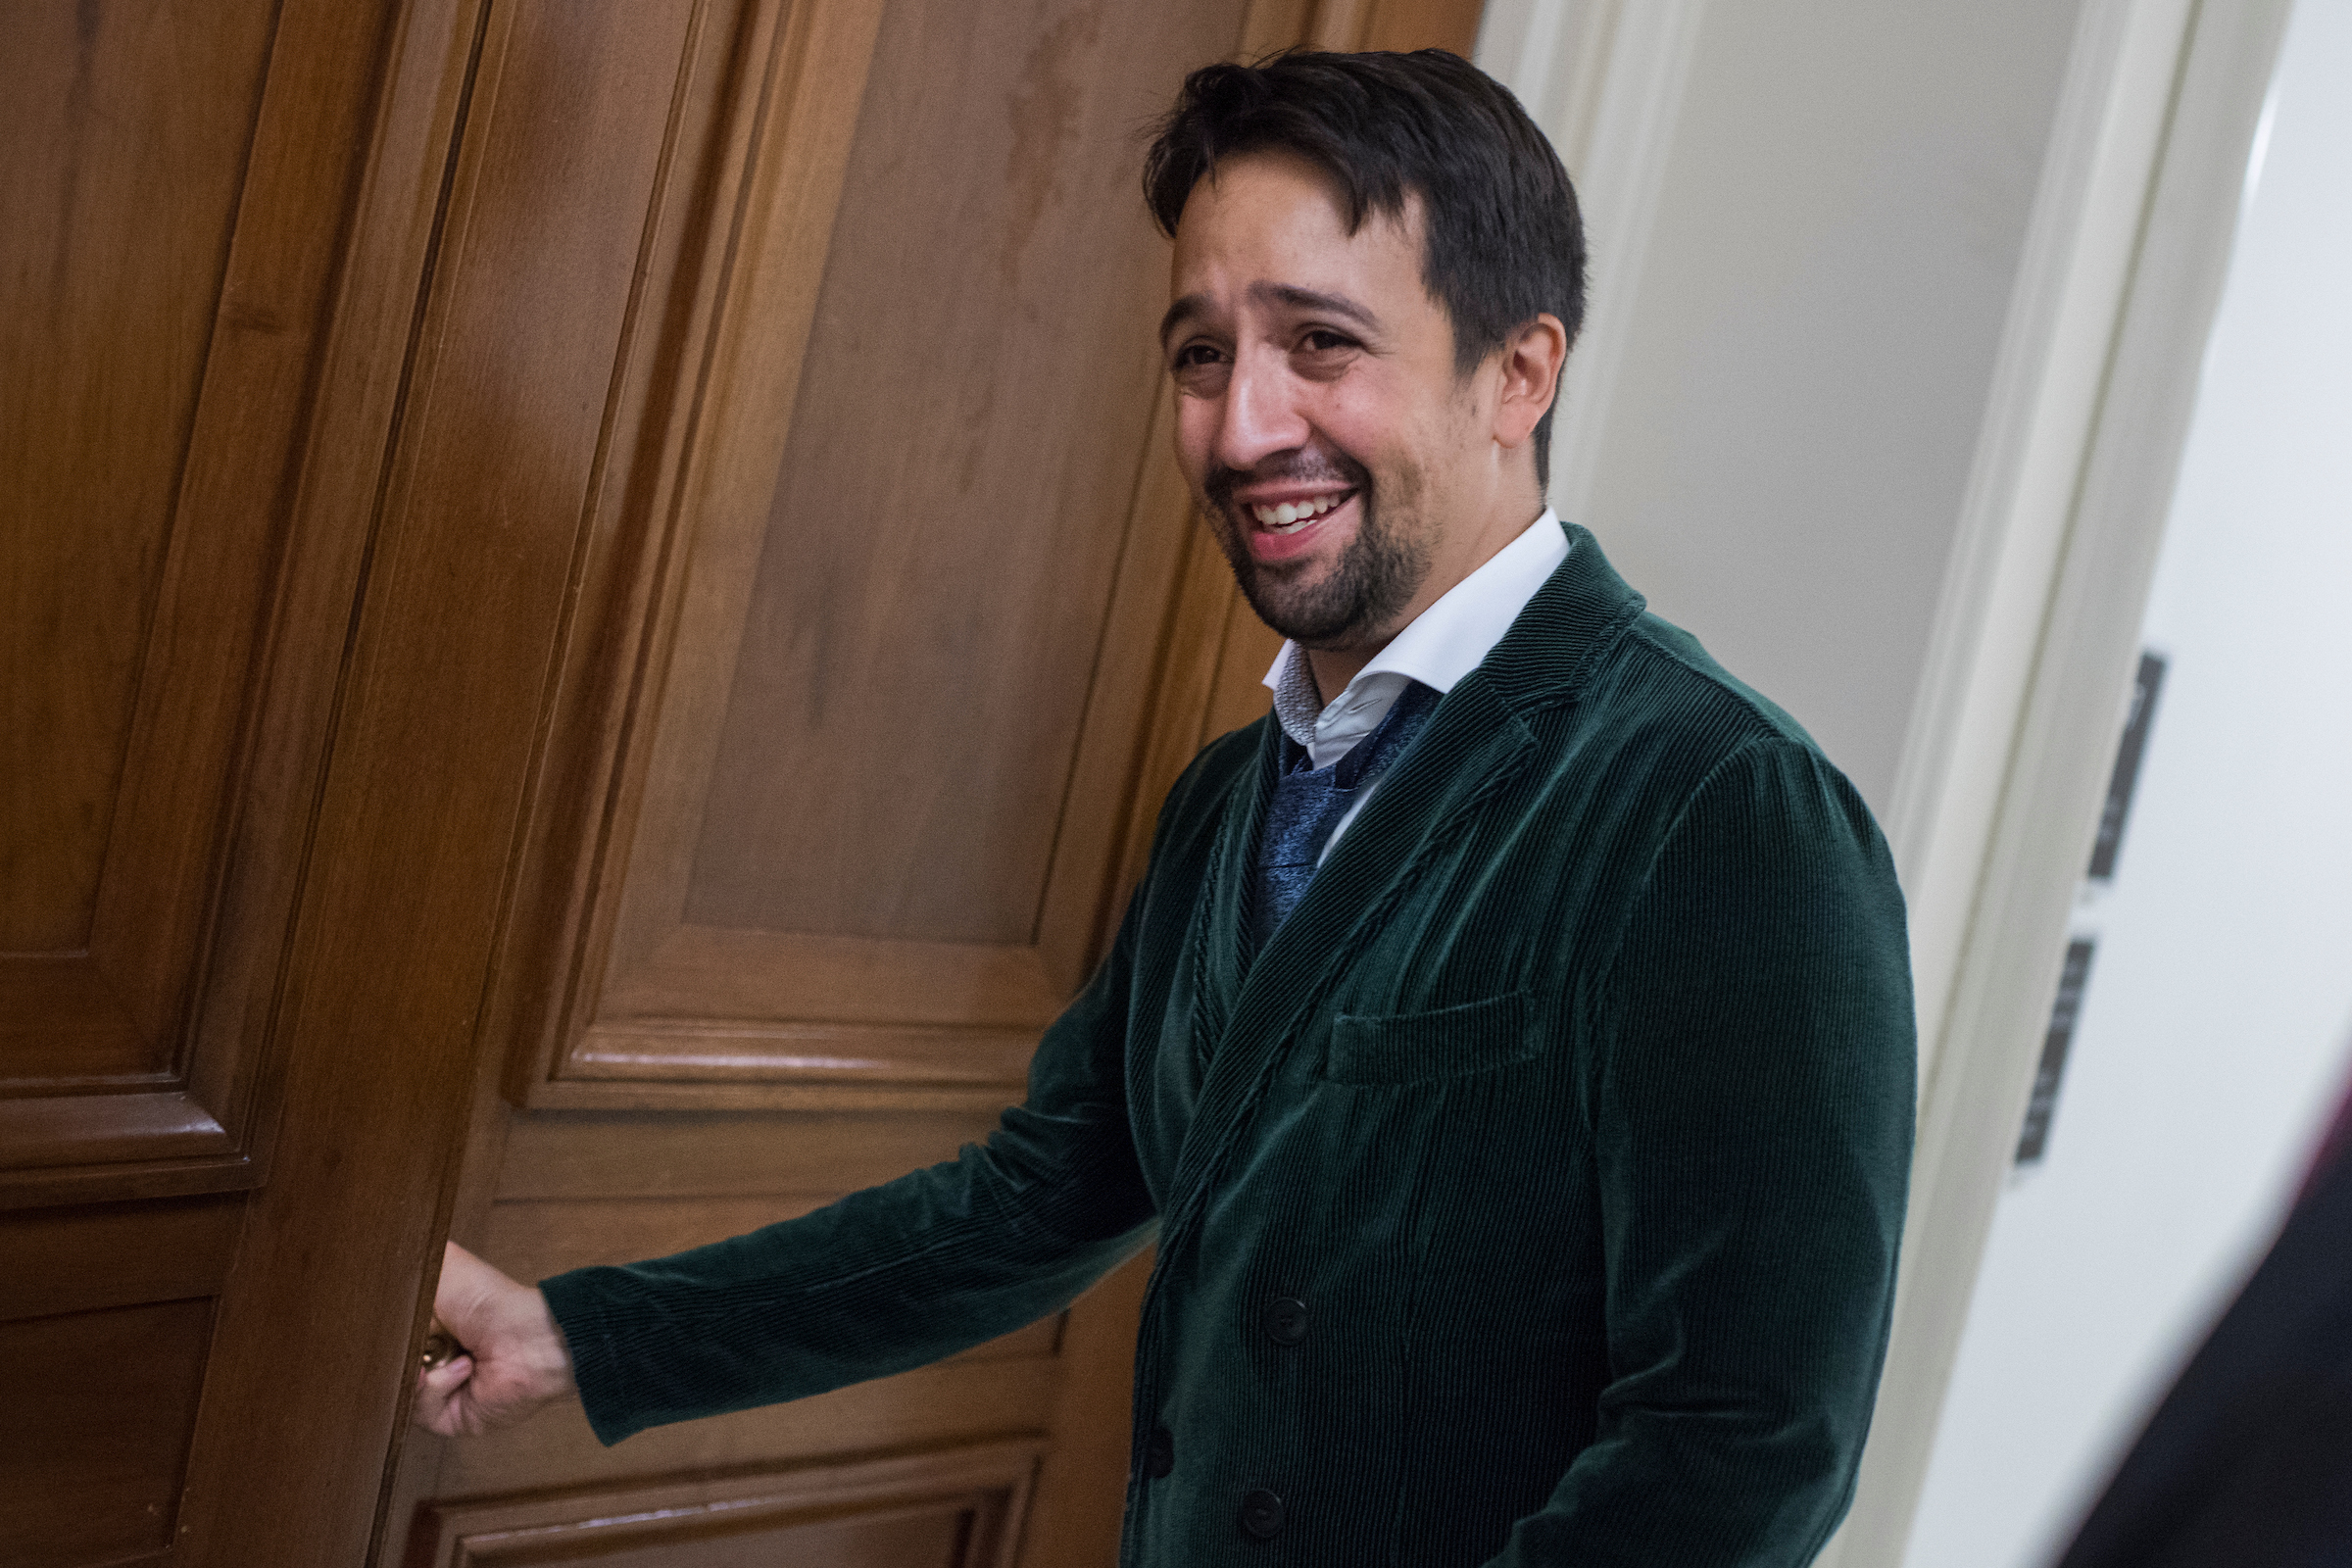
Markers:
(1510, 1042)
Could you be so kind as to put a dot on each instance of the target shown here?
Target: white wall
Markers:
(2216, 1026)
(1810, 328)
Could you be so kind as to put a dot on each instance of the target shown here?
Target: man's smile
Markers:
(1283, 521)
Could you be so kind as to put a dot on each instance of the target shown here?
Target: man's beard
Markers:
(1370, 583)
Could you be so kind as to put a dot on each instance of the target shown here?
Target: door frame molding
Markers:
(2030, 665)
(2030, 660)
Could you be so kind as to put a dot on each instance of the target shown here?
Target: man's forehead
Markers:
(1272, 193)
(1283, 218)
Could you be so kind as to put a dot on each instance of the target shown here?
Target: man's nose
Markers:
(1261, 416)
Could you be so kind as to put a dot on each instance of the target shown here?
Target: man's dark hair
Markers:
(1503, 239)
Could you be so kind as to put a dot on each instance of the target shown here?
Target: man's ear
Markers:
(1530, 362)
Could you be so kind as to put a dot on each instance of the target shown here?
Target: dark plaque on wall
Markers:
(2036, 1138)
(2126, 777)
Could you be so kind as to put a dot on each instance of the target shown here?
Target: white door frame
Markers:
(2030, 661)
(2015, 729)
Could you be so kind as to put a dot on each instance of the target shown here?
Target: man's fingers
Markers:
(447, 1377)
(436, 1393)
(517, 1359)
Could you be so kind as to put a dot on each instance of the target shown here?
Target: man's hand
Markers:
(517, 1359)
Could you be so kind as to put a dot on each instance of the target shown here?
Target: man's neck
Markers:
(1334, 669)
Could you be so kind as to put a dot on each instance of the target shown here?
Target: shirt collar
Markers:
(1436, 648)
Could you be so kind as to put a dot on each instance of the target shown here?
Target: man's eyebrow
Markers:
(1289, 295)
(1307, 299)
(1189, 305)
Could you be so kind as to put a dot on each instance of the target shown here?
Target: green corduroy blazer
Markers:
(1531, 1198)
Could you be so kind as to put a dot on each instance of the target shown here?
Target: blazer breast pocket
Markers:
(1415, 1047)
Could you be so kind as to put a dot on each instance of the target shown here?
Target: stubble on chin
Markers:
(1376, 575)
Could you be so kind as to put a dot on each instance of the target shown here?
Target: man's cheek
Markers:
(1196, 433)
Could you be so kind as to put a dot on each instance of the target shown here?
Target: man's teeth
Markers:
(1290, 518)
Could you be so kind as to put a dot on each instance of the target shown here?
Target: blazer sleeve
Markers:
(889, 1278)
(1751, 1106)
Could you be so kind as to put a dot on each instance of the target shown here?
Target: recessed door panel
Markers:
(101, 1406)
(122, 167)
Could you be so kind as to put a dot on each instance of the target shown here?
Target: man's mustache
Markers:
(1303, 468)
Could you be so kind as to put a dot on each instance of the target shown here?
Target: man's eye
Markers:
(1194, 356)
(1323, 342)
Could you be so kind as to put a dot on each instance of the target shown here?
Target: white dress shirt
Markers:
(1436, 648)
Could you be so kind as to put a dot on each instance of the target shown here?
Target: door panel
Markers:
(142, 422)
(158, 112)
(956, 1508)
(855, 820)
(100, 1409)
(80, 1259)
(937, 556)
(180, 185)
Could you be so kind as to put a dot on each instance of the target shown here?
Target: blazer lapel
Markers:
(1472, 747)
(1220, 933)
(1477, 743)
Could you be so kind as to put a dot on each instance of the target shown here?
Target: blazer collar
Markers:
(1566, 630)
(1474, 743)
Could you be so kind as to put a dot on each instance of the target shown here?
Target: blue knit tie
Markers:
(1308, 803)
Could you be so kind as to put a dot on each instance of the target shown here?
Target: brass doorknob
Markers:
(440, 1346)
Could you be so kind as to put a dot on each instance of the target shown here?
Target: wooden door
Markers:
(596, 610)
(193, 410)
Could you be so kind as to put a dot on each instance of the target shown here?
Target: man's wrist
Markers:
(549, 1352)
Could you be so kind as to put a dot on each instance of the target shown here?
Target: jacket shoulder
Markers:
(1657, 718)
(1679, 680)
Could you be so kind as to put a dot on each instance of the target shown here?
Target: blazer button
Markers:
(1262, 1514)
(1159, 1455)
(1284, 1320)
